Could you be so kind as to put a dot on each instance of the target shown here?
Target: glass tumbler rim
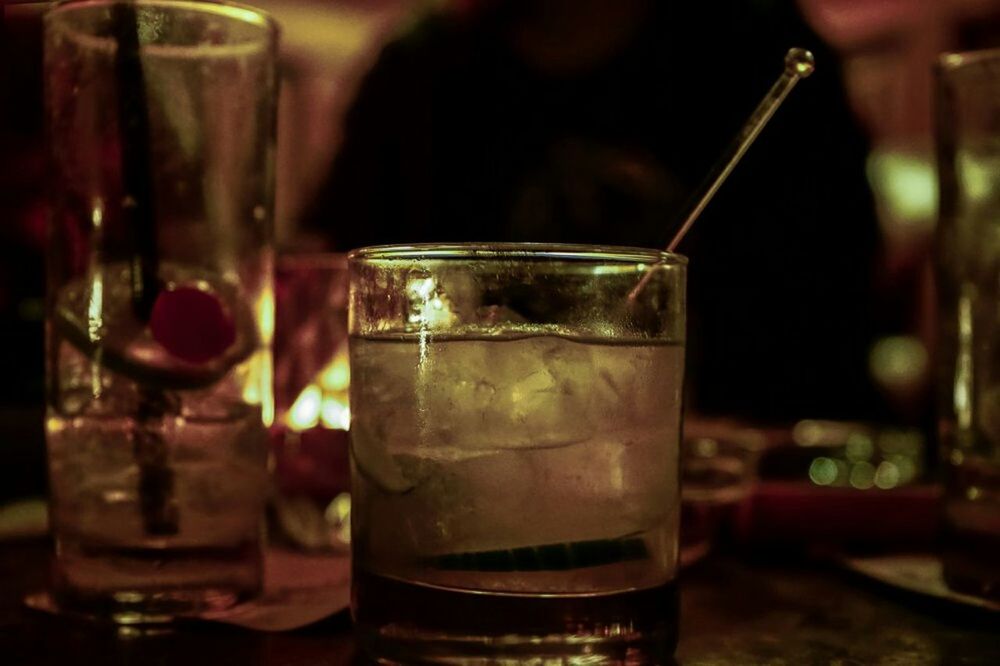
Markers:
(583, 253)
(236, 11)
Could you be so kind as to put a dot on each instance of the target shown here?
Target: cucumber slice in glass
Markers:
(376, 464)
(547, 557)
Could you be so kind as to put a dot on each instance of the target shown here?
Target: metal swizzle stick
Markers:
(799, 64)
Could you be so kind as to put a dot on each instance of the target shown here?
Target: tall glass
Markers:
(968, 254)
(161, 119)
(515, 431)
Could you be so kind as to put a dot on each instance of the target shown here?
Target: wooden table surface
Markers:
(733, 612)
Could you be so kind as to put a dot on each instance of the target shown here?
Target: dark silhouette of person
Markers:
(594, 121)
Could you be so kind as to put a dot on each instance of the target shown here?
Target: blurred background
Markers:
(590, 121)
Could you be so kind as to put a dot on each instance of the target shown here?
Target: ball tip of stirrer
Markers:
(800, 62)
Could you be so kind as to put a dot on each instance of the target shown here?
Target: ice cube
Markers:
(88, 388)
(635, 385)
(503, 394)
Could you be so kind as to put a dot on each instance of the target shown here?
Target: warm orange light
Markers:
(324, 402)
(336, 376)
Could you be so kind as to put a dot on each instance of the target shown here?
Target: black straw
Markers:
(156, 478)
(137, 172)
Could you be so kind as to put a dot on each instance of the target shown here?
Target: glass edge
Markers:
(501, 251)
(956, 60)
(235, 10)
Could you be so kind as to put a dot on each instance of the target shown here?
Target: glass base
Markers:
(152, 585)
(132, 608)
(407, 623)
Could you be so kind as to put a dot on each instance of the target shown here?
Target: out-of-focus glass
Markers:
(158, 334)
(515, 441)
(718, 471)
(312, 413)
(968, 255)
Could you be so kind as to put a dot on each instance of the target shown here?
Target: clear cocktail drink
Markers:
(515, 481)
(159, 311)
(157, 464)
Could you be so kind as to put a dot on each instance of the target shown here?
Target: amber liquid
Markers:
(402, 622)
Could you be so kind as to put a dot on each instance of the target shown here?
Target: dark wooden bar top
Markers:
(733, 612)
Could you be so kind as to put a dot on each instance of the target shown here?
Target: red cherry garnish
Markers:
(191, 324)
